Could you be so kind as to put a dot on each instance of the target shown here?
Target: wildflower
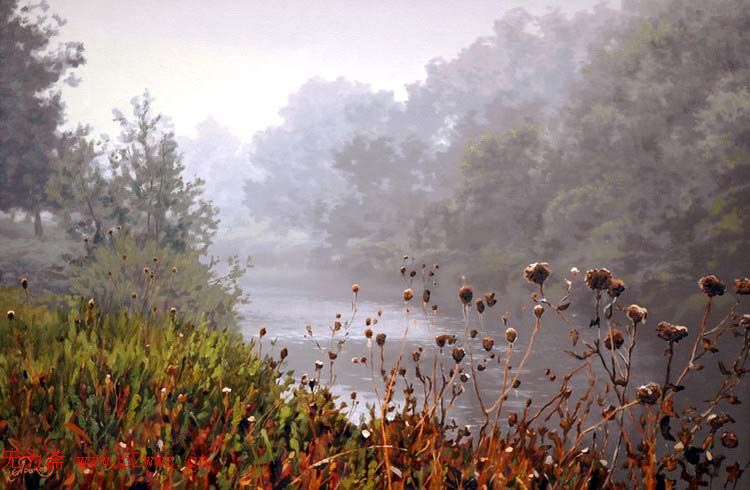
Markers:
(283, 353)
(355, 288)
(574, 272)
(712, 286)
(511, 335)
(597, 278)
(366, 433)
(636, 313)
(458, 354)
(368, 332)
(729, 440)
(616, 288)
(490, 299)
(226, 389)
(537, 273)
(488, 343)
(538, 311)
(616, 338)
(24, 283)
(465, 294)
(408, 294)
(480, 306)
(742, 286)
(11, 315)
(648, 394)
(671, 333)
(380, 339)
(426, 296)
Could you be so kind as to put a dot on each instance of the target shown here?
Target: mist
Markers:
(445, 175)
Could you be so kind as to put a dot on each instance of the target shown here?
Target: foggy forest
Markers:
(472, 244)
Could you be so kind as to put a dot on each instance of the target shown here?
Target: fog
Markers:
(272, 154)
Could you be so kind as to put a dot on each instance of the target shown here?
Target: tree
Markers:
(150, 195)
(30, 106)
(78, 187)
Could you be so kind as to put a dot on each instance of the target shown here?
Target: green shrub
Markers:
(150, 278)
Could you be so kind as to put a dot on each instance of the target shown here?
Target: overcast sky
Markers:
(238, 60)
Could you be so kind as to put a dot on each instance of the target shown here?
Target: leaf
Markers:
(666, 430)
(73, 427)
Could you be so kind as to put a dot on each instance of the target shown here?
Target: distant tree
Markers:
(30, 106)
(149, 192)
(78, 187)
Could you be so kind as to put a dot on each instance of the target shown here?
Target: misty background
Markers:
(327, 142)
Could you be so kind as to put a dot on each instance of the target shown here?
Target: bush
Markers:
(149, 278)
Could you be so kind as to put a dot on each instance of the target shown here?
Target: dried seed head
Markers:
(480, 305)
(318, 365)
(146, 270)
(11, 315)
(355, 288)
(283, 353)
(124, 257)
(616, 288)
(742, 286)
(648, 394)
(155, 260)
(538, 311)
(516, 384)
(262, 332)
(458, 354)
(465, 294)
(368, 332)
(671, 333)
(24, 283)
(412, 273)
(615, 337)
(636, 313)
(597, 279)
(332, 355)
(488, 343)
(574, 272)
(91, 304)
(174, 270)
(133, 295)
(85, 239)
(537, 273)
(464, 377)
(416, 355)
(426, 296)
(745, 322)
(440, 340)
(474, 332)
(729, 440)
(173, 311)
(511, 335)
(489, 298)
(712, 286)
(408, 294)
(380, 339)
(403, 270)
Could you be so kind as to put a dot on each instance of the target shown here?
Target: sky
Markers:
(237, 61)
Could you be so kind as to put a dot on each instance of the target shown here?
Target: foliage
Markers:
(30, 106)
(89, 383)
(148, 278)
